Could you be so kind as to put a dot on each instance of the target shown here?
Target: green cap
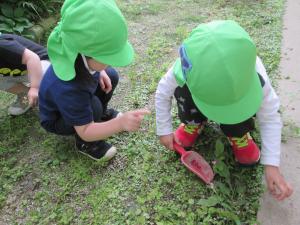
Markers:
(217, 63)
(94, 28)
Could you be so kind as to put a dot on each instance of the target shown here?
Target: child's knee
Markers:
(97, 108)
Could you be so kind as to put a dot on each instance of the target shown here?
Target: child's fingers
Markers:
(141, 112)
(108, 85)
(271, 187)
(170, 146)
(32, 100)
(102, 85)
(177, 140)
(135, 122)
(132, 120)
(167, 141)
(285, 190)
(290, 190)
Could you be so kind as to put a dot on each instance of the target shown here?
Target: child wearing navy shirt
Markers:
(90, 38)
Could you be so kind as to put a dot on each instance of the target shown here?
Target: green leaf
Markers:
(29, 36)
(2, 18)
(138, 212)
(191, 201)
(222, 188)
(211, 201)
(7, 10)
(24, 23)
(18, 28)
(226, 214)
(221, 169)
(219, 149)
(9, 21)
(5, 28)
(22, 19)
(18, 12)
(27, 25)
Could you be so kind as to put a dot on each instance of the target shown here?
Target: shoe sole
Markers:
(26, 84)
(108, 155)
(249, 165)
(119, 114)
(15, 111)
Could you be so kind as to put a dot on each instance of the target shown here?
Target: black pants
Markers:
(190, 114)
(99, 105)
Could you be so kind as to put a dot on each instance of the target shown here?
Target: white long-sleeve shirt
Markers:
(268, 117)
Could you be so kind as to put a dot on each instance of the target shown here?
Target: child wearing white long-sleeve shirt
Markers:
(219, 77)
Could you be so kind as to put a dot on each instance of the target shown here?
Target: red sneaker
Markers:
(244, 149)
(188, 133)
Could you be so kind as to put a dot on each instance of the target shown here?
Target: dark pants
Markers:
(190, 114)
(99, 105)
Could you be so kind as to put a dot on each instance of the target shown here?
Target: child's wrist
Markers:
(271, 166)
(119, 123)
(271, 169)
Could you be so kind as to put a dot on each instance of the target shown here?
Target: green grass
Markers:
(44, 181)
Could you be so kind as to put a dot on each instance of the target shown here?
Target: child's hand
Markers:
(167, 141)
(33, 96)
(105, 82)
(276, 183)
(131, 121)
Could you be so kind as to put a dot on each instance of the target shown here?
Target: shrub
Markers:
(18, 15)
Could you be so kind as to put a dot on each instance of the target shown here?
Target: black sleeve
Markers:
(11, 50)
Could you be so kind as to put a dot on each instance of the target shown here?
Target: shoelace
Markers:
(191, 129)
(242, 141)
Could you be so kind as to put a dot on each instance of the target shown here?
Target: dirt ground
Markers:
(287, 212)
(43, 181)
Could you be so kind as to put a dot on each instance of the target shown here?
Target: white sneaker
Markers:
(20, 106)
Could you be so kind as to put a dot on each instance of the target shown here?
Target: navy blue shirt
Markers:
(71, 100)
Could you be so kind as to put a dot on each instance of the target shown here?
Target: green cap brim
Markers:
(121, 58)
(238, 112)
